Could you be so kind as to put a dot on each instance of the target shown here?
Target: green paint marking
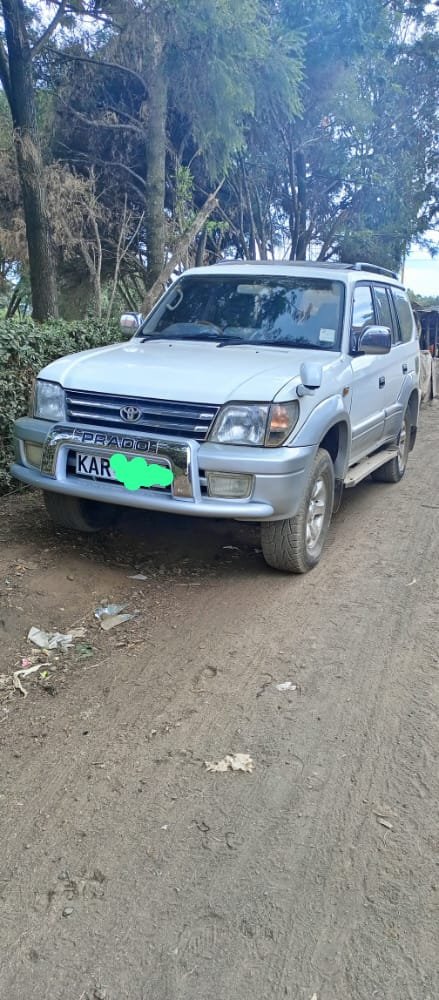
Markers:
(136, 472)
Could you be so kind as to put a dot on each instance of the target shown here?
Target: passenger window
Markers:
(362, 313)
(383, 310)
(404, 314)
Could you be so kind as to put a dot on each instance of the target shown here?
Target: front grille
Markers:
(158, 416)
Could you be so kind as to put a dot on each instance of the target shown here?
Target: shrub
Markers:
(24, 350)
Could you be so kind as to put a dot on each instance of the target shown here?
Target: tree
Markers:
(167, 122)
(391, 195)
(17, 78)
(174, 132)
(355, 173)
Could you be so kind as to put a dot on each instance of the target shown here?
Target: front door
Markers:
(369, 381)
(393, 363)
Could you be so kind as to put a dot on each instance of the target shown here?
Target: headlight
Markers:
(257, 424)
(48, 401)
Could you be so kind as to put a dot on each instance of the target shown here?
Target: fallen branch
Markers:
(179, 251)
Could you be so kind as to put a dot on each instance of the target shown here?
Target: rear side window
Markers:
(404, 314)
(363, 311)
(383, 311)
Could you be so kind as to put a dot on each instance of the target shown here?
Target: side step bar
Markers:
(364, 468)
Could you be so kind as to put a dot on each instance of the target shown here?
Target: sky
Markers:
(421, 271)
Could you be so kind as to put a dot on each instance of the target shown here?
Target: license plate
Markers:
(94, 466)
(134, 472)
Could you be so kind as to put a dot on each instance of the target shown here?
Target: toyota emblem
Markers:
(131, 414)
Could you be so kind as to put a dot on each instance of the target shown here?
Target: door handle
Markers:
(382, 382)
(405, 369)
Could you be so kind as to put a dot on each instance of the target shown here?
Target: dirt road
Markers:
(127, 870)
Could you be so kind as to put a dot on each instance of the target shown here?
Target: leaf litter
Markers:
(385, 822)
(24, 673)
(231, 762)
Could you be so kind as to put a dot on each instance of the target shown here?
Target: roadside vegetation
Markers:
(25, 348)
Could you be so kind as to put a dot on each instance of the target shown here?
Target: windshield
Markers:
(282, 312)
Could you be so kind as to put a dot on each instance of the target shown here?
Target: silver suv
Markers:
(252, 391)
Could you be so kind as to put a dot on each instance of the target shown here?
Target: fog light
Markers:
(33, 454)
(219, 484)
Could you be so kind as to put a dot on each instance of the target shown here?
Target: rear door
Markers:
(406, 349)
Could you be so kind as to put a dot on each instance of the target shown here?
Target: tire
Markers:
(289, 545)
(393, 471)
(79, 515)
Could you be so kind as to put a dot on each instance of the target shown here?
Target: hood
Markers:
(184, 371)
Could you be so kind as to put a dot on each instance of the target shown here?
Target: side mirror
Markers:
(129, 323)
(311, 376)
(375, 340)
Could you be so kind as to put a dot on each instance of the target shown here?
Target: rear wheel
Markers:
(295, 545)
(393, 471)
(79, 515)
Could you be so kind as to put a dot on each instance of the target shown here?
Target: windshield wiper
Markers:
(186, 331)
(181, 337)
(221, 341)
(157, 336)
(230, 341)
(261, 343)
(291, 344)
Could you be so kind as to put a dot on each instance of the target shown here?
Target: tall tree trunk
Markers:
(14, 303)
(156, 159)
(262, 234)
(201, 247)
(97, 266)
(292, 201)
(20, 93)
(302, 241)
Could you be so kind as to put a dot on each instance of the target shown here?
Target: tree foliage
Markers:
(184, 130)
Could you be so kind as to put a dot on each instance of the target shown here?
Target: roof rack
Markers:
(330, 264)
(361, 266)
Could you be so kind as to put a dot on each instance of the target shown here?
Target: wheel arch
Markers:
(336, 441)
(413, 410)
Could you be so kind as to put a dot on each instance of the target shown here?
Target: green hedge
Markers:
(26, 348)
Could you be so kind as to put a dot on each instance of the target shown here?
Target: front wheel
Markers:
(393, 471)
(295, 545)
(76, 514)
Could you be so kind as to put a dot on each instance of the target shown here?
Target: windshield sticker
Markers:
(137, 472)
(327, 336)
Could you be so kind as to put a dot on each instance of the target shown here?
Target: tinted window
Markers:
(363, 312)
(382, 304)
(404, 313)
(278, 311)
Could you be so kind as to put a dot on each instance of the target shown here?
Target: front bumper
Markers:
(279, 475)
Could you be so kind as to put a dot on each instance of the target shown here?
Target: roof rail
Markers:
(361, 266)
(335, 264)
(286, 263)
